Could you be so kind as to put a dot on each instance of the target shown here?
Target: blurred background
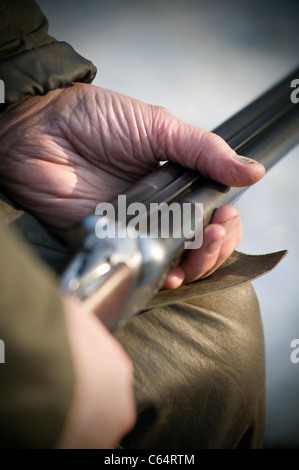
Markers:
(205, 60)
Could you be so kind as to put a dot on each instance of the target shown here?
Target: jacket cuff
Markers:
(40, 70)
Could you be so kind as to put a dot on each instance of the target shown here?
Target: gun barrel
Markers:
(268, 148)
(257, 116)
(265, 130)
(258, 108)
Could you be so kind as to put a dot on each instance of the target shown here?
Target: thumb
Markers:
(202, 151)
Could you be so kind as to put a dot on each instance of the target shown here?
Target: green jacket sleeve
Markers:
(31, 61)
(37, 377)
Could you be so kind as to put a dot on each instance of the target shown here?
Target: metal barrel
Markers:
(278, 93)
(266, 130)
(172, 180)
(268, 148)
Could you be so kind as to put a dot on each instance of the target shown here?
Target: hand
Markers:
(103, 409)
(63, 153)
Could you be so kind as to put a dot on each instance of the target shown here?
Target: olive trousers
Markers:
(198, 352)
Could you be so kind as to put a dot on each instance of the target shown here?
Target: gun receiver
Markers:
(116, 276)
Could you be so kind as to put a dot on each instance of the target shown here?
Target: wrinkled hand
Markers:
(63, 153)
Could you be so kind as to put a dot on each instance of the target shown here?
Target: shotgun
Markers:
(117, 265)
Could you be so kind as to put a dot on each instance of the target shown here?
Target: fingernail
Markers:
(245, 160)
